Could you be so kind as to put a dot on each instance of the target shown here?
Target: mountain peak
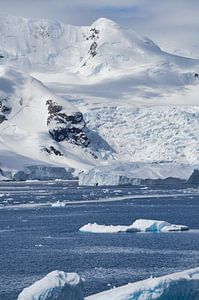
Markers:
(103, 22)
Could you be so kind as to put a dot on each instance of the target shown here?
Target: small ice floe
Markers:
(138, 226)
(58, 204)
(56, 285)
(38, 245)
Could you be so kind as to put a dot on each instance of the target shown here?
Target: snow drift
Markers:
(57, 285)
(138, 225)
(177, 286)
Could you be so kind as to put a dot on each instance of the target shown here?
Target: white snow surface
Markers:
(139, 225)
(56, 285)
(178, 286)
(24, 134)
(58, 204)
(157, 226)
(96, 228)
(140, 102)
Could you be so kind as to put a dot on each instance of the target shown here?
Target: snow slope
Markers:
(99, 49)
(37, 127)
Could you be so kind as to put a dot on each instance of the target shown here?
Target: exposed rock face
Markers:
(4, 109)
(93, 48)
(63, 127)
(194, 178)
(53, 150)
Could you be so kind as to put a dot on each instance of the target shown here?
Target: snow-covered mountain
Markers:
(139, 103)
(97, 49)
(37, 127)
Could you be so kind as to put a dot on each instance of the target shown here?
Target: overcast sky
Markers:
(174, 24)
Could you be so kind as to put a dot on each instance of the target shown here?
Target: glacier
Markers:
(136, 174)
(89, 97)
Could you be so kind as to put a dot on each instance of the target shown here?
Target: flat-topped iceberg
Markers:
(56, 285)
(96, 228)
(177, 286)
(139, 225)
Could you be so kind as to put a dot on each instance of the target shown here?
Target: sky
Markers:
(173, 24)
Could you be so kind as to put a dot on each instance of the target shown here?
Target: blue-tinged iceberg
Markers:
(177, 286)
(139, 225)
(57, 285)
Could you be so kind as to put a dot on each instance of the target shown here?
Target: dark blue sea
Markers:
(36, 238)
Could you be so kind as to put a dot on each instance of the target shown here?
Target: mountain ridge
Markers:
(132, 95)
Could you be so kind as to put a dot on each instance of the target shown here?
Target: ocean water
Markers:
(36, 238)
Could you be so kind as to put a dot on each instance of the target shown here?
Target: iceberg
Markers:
(157, 226)
(143, 225)
(177, 286)
(56, 285)
(96, 228)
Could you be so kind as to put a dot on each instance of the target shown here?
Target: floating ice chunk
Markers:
(157, 226)
(56, 285)
(177, 286)
(138, 225)
(96, 228)
(58, 204)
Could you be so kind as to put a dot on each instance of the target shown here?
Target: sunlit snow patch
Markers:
(96, 228)
(138, 225)
(56, 285)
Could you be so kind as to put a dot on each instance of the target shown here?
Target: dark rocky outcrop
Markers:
(194, 178)
(64, 127)
(2, 118)
(5, 109)
(93, 49)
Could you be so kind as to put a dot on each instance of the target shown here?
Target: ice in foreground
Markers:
(56, 285)
(138, 225)
(62, 286)
(177, 286)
